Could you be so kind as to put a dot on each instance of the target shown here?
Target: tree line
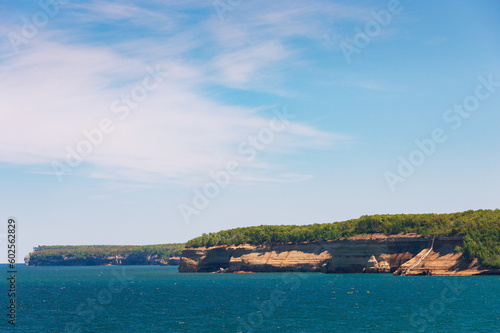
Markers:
(59, 252)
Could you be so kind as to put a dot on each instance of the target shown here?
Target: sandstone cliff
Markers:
(442, 259)
(373, 253)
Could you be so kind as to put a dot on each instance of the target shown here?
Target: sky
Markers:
(150, 122)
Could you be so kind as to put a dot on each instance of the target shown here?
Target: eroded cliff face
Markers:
(374, 253)
(350, 255)
(442, 259)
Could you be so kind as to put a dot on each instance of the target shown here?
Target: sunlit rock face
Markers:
(373, 253)
(349, 255)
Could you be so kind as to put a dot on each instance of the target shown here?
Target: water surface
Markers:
(159, 299)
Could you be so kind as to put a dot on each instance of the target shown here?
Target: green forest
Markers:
(480, 228)
(58, 252)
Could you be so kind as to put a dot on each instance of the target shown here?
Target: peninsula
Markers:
(466, 243)
(104, 255)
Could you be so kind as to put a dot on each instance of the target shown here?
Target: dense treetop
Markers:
(58, 252)
(480, 228)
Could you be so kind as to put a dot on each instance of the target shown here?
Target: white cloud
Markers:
(245, 65)
(55, 89)
(280, 178)
(110, 12)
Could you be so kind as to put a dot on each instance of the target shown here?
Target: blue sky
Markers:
(171, 92)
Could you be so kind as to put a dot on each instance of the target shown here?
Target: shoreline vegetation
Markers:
(480, 230)
(99, 255)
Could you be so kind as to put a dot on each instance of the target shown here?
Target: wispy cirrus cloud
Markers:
(62, 84)
(248, 64)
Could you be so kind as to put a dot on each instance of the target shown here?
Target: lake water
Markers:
(159, 299)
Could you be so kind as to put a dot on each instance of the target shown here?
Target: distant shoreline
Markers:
(105, 255)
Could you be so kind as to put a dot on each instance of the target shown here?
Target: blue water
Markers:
(159, 299)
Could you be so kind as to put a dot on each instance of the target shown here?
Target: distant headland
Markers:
(104, 255)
